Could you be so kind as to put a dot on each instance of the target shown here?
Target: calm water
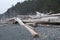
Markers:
(16, 32)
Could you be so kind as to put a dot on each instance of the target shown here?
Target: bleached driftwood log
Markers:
(35, 34)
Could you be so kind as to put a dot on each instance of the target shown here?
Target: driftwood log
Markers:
(34, 33)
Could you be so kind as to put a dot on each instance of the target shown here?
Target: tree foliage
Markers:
(31, 6)
(38, 5)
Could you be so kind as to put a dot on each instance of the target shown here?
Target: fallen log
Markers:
(35, 34)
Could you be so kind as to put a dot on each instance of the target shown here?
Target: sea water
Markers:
(17, 32)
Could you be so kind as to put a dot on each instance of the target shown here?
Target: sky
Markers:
(5, 4)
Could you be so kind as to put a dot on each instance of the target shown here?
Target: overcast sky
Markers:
(5, 4)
